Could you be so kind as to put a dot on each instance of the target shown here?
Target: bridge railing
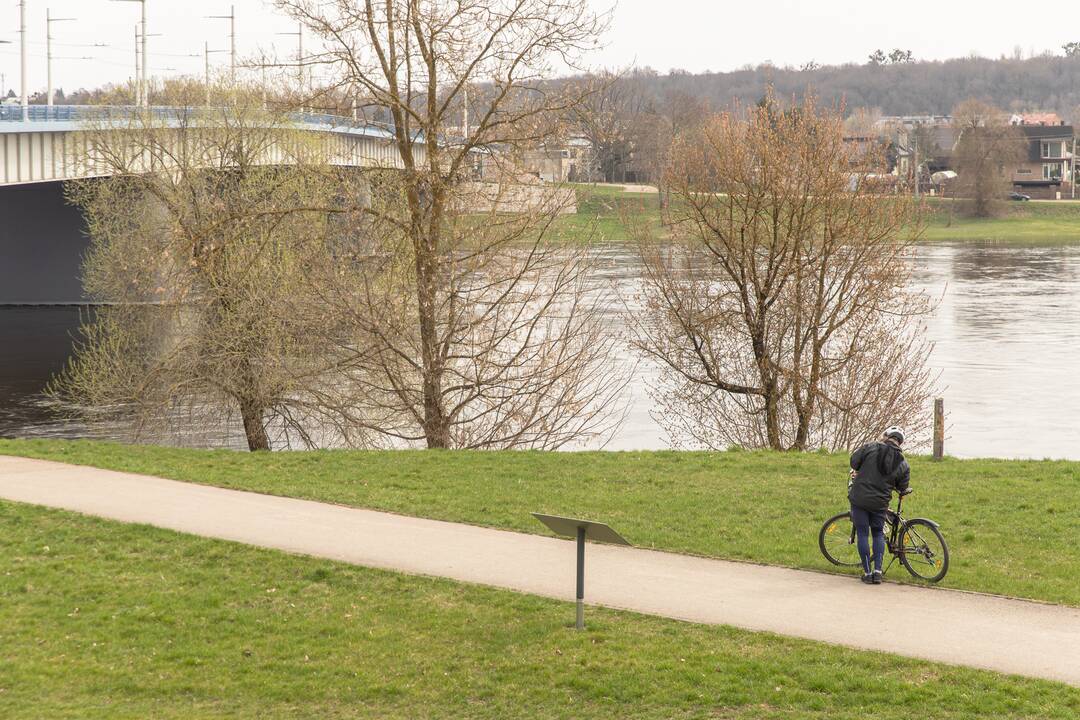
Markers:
(84, 113)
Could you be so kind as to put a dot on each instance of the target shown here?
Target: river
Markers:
(1006, 336)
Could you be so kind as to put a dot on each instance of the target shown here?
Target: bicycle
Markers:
(918, 543)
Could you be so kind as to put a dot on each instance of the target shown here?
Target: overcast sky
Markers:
(693, 35)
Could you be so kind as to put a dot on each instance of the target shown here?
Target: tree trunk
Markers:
(802, 434)
(436, 426)
(772, 417)
(257, 438)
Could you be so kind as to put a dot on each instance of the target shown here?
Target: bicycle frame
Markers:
(895, 521)
(916, 542)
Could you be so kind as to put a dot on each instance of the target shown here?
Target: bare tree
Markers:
(988, 148)
(201, 230)
(863, 122)
(654, 131)
(469, 325)
(780, 314)
(609, 116)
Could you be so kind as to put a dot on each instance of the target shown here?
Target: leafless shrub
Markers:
(467, 326)
(781, 313)
(202, 228)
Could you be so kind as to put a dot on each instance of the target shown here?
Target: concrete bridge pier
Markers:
(41, 246)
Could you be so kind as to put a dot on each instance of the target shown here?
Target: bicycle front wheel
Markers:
(923, 551)
(837, 541)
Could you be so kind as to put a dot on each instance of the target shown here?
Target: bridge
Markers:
(46, 147)
(41, 235)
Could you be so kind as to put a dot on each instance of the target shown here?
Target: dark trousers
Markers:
(869, 522)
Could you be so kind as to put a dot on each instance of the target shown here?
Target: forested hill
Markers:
(1040, 83)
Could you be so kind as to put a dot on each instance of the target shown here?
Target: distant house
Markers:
(929, 144)
(1047, 170)
(922, 146)
(572, 160)
(864, 149)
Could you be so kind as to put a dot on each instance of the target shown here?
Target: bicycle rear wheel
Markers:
(923, 550)
(837, 541)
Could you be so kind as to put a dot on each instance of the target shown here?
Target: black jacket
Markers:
(872, 489)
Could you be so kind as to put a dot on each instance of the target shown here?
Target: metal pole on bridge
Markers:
(49, 20)
(145, 87)
(299, 57)
(206, 55)
(22, 58)
(142, 92)
(231, 17)
(232, 40)
(3, 77)
(48, 55)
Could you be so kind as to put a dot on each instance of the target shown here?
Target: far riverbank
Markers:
(603, 212)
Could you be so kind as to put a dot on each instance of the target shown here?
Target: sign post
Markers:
(582, 530)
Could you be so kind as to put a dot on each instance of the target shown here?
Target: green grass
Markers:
(1030, 222)
(105, 620)
(605, 214)
(1011, 525)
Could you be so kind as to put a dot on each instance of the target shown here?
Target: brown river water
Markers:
(1006, 337)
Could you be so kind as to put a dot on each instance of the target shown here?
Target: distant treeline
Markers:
(1047, 82)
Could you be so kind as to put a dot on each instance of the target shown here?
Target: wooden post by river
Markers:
(939, 428)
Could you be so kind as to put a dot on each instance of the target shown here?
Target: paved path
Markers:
(962, 628)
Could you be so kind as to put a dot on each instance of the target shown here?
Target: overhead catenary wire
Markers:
(102, 49)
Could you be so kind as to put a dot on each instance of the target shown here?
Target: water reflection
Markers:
(36, 343)
(1006, 334)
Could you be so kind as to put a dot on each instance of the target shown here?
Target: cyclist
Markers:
(877, 469)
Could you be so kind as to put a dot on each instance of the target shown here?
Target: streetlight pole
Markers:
(299, 56)
(206, 55)
(231, 17)
(145, 63)
(3, 76)
(143, 91)
(138, 83)
(49, 20)
(22, 59)
(139, 63)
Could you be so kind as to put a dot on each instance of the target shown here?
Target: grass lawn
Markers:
(606, 214)
(1029, 222)
(603, 211)
(1011, 525)
(105, 620)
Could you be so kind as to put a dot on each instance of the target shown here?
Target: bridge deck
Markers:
(49, 145)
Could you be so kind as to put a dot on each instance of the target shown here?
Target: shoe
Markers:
(876, 579)
(868, 579)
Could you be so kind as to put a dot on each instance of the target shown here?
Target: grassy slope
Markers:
(104, 620)
(1038, 222)
(1011, 525)
(603, 212)
(607, 214)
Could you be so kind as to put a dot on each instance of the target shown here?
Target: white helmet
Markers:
(896, 433)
